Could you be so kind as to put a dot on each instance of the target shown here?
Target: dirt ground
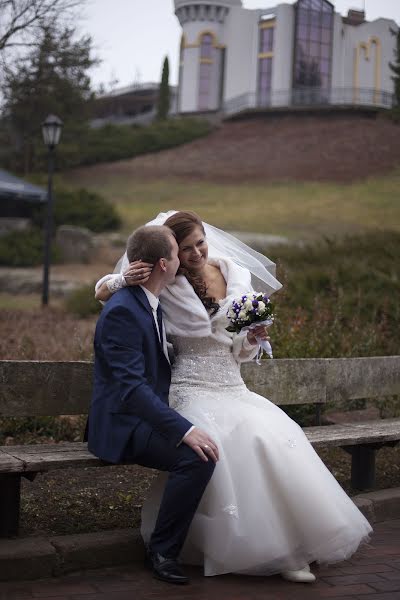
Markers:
(334, 147)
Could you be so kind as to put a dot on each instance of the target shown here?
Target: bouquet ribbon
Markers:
(262, 344)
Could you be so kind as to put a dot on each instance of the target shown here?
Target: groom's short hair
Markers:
(150, 243)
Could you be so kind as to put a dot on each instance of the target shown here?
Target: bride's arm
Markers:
(242, 349)
(106, 286)
(137, 273)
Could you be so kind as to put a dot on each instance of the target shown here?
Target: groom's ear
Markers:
(163, 264)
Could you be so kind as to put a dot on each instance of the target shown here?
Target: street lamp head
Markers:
(51, 130)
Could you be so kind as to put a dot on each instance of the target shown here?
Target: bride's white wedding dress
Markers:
(271, 504)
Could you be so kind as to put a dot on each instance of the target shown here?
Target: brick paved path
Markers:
(372, 574)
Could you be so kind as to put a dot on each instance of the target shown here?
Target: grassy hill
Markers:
(289, 148)
(296, 210)
(303, 178)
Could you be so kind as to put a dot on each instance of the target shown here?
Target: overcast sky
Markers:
(132, 37)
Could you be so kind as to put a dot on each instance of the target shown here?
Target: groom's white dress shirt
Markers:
(154, 302)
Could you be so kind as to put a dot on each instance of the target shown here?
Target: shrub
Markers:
(394, 114)
(82, 208)
(116, 142)
(24, 248)
(30, 430)
(89, 146)
(82, 302)
(340, 298)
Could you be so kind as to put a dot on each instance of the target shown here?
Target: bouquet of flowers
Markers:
(251, 310)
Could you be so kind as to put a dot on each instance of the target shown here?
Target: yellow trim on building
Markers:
(207, 61)
(367, 48)
(207, 32)
(200, 35)
(267, 24)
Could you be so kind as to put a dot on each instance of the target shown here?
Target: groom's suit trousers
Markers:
(188, 478)
(130, 419)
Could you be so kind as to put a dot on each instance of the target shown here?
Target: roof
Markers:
(18, 189)
(134, 88)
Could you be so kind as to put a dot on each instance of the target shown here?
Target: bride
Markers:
(271, 506)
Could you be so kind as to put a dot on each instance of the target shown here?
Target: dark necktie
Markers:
(163, 341)
(160, 327)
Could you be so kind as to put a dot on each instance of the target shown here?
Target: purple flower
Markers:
(255, 303)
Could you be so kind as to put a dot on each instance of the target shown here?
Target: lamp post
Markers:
(51, 130)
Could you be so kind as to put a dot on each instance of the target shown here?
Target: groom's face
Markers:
(172, 264)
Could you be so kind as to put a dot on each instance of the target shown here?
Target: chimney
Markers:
(354, 17)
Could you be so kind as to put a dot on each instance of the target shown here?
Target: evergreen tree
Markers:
(164, 96)
(53, 79)
(395, 68)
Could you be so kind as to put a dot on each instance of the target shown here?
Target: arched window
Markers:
(265, 59)
(207, 51)
(313, 46)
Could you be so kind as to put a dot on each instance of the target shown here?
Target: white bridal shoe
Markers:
(303, 575)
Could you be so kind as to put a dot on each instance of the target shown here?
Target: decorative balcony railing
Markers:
(310, 97)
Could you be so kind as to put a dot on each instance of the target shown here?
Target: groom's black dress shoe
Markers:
(166, 569)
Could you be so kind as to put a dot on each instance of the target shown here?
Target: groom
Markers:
(130, 420)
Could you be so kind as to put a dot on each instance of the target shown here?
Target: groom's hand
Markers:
(202, 444)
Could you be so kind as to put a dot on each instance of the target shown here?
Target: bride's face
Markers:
(193, 250)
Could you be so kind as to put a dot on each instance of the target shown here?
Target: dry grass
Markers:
(45, 334)
(296, 210)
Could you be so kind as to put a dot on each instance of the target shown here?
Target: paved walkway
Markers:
(372, 574)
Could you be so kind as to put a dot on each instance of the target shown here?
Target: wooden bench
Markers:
(30, 389)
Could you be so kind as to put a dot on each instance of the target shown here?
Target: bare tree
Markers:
(22, 20)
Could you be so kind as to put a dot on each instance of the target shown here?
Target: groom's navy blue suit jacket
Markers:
(131, 382)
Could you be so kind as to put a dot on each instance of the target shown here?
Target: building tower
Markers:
(202, 52)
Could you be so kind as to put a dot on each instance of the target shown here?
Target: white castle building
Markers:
(234, 59)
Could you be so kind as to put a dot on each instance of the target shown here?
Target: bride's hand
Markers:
(202, 444)
(260, 332)
(137, 273)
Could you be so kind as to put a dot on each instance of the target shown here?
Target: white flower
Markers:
(261, 307)
(248, 304)
(242, 314)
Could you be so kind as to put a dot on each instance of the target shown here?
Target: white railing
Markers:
(311, 97)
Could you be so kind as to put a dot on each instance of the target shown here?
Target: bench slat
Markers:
(287, 381)
(45, 457)
(33, 388)
(321, 380)
(366, 432)
(9, 464)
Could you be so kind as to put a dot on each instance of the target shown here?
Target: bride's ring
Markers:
(206, 447)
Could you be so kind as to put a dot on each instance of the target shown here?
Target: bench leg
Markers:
(362, 467)
(10, 487)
